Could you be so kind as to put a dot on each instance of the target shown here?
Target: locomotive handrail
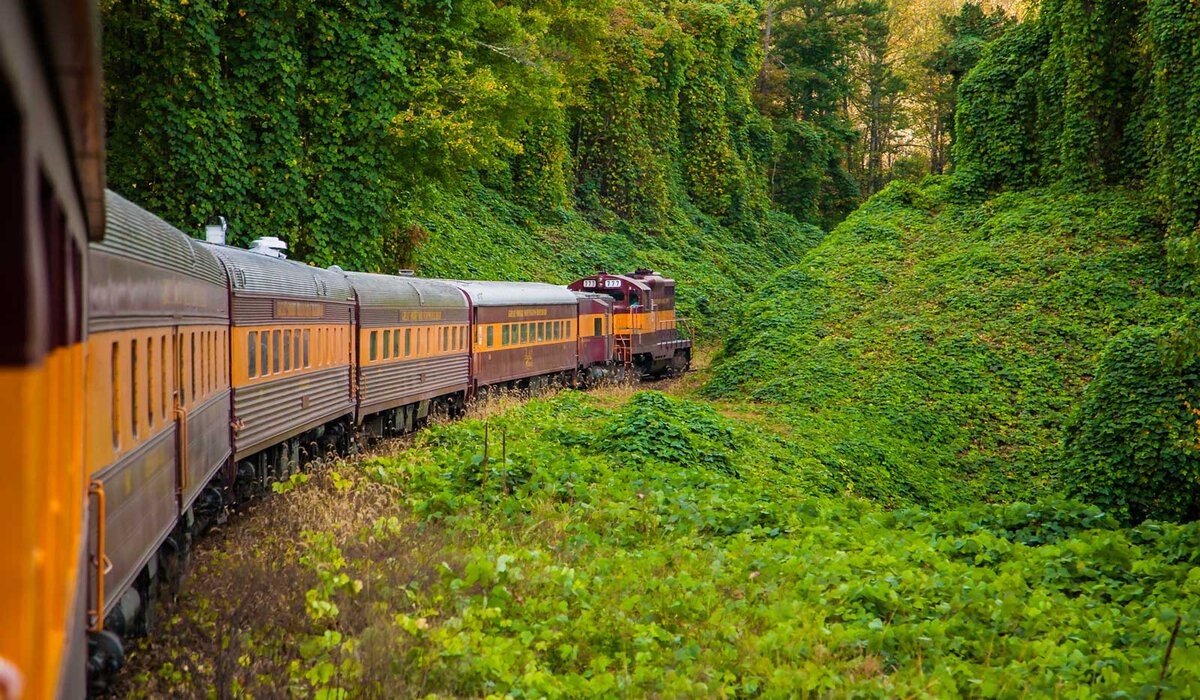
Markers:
(103, 563)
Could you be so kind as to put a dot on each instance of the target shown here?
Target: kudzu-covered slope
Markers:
(931, 351)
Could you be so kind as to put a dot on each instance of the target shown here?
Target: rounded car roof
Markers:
(398, 292)
(514, 293)
(255, 273)
(133, 232)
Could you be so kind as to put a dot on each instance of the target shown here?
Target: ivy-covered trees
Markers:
(1133, 443)
(1094, 93)
(326, 123)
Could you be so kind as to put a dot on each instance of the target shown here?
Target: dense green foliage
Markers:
(658, 548)
(1093, 93)
(937, 348)
(1134, 442)
(337, 126)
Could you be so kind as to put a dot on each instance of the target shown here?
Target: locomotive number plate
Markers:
(612, 283)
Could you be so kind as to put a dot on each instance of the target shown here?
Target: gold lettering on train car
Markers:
(528, 360)
(298, 309)
(420, 315)
(527, 313)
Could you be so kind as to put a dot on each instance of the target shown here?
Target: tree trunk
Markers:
(762, 72)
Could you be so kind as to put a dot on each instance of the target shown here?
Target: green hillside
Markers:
(931, 351)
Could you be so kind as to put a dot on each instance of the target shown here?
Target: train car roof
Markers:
(514, 293)
(398, 292)
(264, 275)
(133, 232)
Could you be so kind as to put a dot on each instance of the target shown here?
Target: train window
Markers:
(568, 330)
(598, 327)
(264, 354)
(407, 342)
(541, 330)
(116, 395)
(133, 395)
(287, 350)
(504, 335)
(524, 332)
(210, 359)
(149, 382)
(387, 344)
(275, 351)
(490, 335)
(396, 343)
(445, 338)
(296, 349)
(192, 363)
(204, 362)
(374, 345)
(306, 347)
(426, 346)
(252, 355)
(162, 375)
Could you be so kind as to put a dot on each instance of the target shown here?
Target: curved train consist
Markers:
(154, 381)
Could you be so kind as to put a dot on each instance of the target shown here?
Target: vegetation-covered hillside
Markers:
(935, 349)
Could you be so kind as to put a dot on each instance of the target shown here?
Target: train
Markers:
(158, 381)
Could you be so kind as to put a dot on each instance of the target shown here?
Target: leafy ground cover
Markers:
(930, 351)
(634, 544)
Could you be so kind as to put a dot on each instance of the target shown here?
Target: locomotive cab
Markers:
(647, 335)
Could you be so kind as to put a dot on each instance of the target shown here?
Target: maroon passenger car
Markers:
(524, 332)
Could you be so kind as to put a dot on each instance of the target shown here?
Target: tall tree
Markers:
(966, 34)
(876, 101)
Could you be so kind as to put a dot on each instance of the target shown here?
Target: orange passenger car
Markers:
(51, 202)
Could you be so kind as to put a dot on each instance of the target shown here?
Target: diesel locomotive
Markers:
(153, 381)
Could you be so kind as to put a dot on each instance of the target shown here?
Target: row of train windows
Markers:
(530, 332)
(273, 352)
(199, 361)
(417, 341)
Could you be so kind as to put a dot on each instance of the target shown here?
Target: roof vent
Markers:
(270, 246)
(214, 230)
(643, 271)
(407, 273)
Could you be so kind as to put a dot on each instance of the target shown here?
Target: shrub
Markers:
(1133, 442)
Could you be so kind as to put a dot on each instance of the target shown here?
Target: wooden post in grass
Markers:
(483, 481)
